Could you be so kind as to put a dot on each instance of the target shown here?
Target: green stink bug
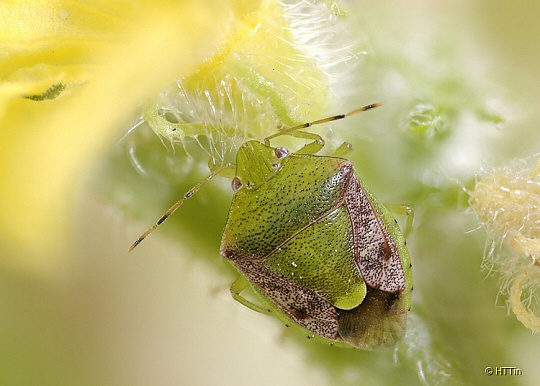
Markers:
(314, 244)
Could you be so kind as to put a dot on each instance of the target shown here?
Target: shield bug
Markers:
(314, 243)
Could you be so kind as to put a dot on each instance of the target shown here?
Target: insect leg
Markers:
(318, 143)
(236, 288)
(342, 150)
(403, 210)
(312, 147)
(227, 171)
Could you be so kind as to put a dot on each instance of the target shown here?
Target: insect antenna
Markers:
(320, 121)
(173, 208)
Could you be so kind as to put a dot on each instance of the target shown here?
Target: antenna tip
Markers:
(365, 108)
(373, 105)
(132, 247)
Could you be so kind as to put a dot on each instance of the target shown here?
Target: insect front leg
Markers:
(312, 147)
(344, 149)
(227, 171)
(237, 287)
(318, 143)
(403, 210)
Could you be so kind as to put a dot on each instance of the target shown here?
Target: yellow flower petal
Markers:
(113, 55)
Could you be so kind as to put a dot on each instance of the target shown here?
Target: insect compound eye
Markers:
(281, 152)
(236, 184)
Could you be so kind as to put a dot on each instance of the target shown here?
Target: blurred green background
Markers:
(459, 82)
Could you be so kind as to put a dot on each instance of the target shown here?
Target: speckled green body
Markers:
(318, 248)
